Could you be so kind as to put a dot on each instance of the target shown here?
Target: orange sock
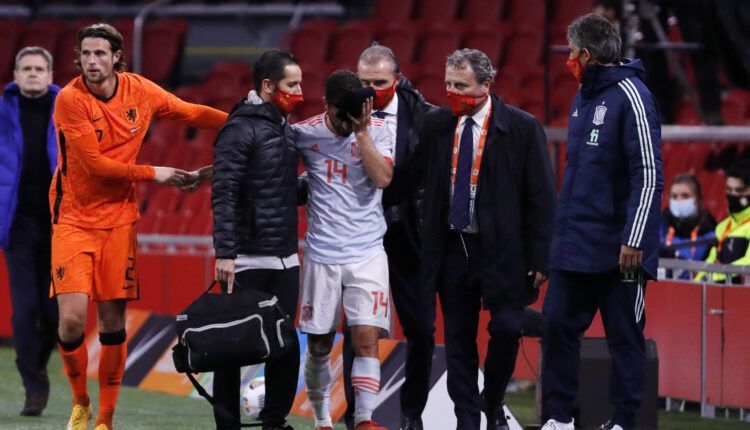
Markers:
(111, 368)
(76, 361)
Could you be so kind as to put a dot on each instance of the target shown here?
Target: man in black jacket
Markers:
(402, 107)
(489, 203)
(255, 221)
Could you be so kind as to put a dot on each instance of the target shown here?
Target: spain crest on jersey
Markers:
(355, 149)
(599, 115)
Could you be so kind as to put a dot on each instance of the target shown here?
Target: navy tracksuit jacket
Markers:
(610, 197)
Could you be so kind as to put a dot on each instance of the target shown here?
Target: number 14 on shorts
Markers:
(380, 300)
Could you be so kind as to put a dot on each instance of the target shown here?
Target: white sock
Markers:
(366, 383)
(318, 383)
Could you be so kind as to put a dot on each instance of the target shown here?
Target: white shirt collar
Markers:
(480, 116)
(392, 107)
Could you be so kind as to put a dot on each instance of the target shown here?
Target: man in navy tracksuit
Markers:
(606, 242)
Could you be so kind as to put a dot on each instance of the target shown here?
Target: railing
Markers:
(678, 133)
(671, 269)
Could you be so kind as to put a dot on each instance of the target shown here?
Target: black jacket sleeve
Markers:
(538, 199)
(231, 153)
(408, 176)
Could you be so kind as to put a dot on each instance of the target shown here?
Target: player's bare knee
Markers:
(71, 326)
(369, 349)
(320, 345)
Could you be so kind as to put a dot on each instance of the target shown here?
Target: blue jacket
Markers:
(11, 154)
(613, 177)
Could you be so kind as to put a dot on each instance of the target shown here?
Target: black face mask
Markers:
(737, 203)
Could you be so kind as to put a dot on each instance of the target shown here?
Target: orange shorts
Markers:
(100, 263)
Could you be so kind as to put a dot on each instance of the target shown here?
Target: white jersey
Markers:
(345, 222)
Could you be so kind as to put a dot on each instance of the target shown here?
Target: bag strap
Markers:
(221, 408)
(215, 283)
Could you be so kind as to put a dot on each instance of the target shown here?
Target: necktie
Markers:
(459, 213)
(379, 114)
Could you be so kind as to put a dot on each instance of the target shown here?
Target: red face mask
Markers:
(575, 66)
(463, 104)
(384, 96)
(286, 101)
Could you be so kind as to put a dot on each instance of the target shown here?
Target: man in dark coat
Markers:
(488, 211)
(255, 197)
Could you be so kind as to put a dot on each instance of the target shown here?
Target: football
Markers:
(254, 396)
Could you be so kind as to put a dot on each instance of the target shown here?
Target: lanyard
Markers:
(477, 159)
(728, 230)
(693, 237)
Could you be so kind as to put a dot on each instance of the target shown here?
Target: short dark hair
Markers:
(740, 169)
(598, 35)
(104, 31)
(338, 84)
(271, 66)
(692, 181)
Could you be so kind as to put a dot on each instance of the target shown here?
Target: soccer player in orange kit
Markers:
(101, 120)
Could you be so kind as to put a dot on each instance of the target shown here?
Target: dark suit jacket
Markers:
(412, 107)
(515, 201)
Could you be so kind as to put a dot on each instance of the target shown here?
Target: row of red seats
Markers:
(529, 12)
(163, 42)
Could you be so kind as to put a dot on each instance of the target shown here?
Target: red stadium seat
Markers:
(489, 40)
(437, 43)
(313, 85)
(484, 10)
(402, 39)
(535, 108)
(310, 45)
(44, 33)
(235, 74)
(347, 44)
(11, 31)
(412, 70)
(125, 27)
(568, 10)
(162, 48)
(437, 10)
(523, 51)
(526, 12)
(388, 10)
(736, 107)
(432, 86)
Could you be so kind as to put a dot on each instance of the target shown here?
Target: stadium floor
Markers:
(140, 409)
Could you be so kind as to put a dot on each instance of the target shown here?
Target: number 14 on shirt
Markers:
(335, 168)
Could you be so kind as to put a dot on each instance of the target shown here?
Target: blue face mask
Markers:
(683, 208)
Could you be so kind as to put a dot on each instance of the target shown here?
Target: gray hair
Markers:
(34, 50)
(376, 53)
(598, 35)
(478, 61)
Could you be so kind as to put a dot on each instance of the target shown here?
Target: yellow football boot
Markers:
(80, 417)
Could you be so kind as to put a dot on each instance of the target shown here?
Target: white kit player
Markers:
(348, 157)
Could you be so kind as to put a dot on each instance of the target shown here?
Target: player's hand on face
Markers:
(360, 124)
(170, 176)
(224, 272)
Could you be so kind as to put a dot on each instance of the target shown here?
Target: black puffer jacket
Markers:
(254, 192)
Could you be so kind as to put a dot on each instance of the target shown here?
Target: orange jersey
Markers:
(98, 142)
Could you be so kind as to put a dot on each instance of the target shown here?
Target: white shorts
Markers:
(361, 287)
